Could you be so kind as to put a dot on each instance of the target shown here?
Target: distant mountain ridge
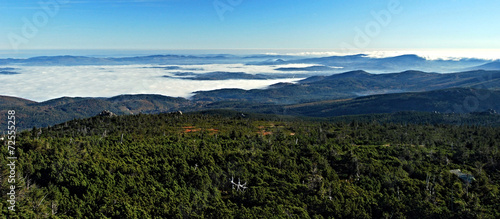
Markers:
(331, 64)
(310, 68)
(393, 64)
(167, 59)
(220, 75)
(68, 60)
(488, 66)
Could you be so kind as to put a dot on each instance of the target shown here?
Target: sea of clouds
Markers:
(41, 83)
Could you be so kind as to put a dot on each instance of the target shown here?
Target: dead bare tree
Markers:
(239, 186)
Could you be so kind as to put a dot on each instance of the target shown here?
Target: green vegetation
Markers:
(180, 166)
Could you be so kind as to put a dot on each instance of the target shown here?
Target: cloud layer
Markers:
(44, 83)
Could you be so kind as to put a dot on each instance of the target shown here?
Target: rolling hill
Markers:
(213, 166)
(51, 112)
(488, 66)
(350, 93)
(455, 100)
(354, 84)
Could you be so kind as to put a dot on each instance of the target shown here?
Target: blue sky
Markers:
(249, 24)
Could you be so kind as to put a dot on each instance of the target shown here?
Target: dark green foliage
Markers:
(180, 166)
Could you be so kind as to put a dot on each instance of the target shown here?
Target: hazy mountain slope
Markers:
(168, 59)
(220, 75)
(310, 68)
(355, 84)
(29, 113)
(387, 64)
(347, 63)
(457, 100)
(488, 66)
(6, 101)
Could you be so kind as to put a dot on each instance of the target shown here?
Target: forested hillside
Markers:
(448, 104)
(349, 93)
(55, 111)
(211, 166)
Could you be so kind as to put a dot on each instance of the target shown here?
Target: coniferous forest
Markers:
(216, 166)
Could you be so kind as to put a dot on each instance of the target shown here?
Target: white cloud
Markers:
(43, 83)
